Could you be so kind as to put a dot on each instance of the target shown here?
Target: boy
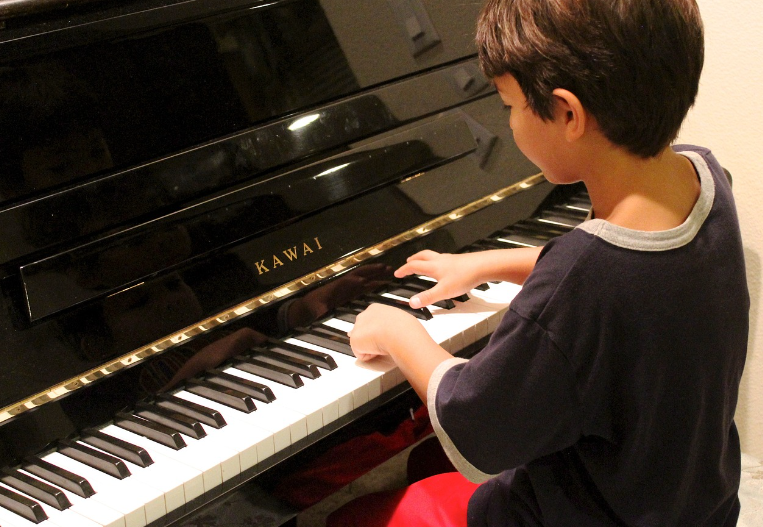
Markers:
(607, 394)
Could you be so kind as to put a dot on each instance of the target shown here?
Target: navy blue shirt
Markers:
(607, 394)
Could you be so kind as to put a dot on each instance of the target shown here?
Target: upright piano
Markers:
(196, 199)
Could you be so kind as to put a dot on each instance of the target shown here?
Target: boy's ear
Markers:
(571, 114)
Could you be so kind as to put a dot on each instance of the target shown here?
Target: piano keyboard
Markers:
(164, 455)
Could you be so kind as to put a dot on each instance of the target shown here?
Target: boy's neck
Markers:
(652, 194)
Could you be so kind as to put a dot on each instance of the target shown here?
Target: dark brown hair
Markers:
(634, 64)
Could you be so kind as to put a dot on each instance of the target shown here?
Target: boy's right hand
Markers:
(457, 274)
(452, 272)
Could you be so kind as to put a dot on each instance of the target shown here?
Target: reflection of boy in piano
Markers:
(607, 394)
(57, 137)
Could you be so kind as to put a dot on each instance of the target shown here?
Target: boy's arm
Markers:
(385, 330)
(458, 273)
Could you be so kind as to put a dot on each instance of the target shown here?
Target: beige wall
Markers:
(728, 117)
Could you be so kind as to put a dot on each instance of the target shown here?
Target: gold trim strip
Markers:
(136, 356)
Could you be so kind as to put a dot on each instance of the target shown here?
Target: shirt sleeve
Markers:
(512, 403)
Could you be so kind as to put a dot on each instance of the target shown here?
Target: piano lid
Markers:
(101, 127)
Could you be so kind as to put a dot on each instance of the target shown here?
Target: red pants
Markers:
(437, 501)
(437, 496)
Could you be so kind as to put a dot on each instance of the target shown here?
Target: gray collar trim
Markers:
(662, 240)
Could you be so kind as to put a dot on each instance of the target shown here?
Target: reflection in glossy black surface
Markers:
(131, 100)
(63, 280)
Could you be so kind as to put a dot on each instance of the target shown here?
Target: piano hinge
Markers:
(140, 354)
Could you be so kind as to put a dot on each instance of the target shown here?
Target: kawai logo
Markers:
(290, 254)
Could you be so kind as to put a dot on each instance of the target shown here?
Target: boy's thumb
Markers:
(422, 299)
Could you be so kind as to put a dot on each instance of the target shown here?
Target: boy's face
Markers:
(543, 142)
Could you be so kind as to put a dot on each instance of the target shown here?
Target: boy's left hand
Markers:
(387, 330)
(382, 330)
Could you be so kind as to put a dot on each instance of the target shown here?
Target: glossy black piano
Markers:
(195, 196)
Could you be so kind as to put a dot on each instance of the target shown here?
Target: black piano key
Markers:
(548, 226)
(422, 313)
(348, 315)
(325, 341)
(521, 240)
(328, 330)
(417, 284)
(561, 220)
(417, 281)
(268, 371)
(337, 336)
(221, 394)
(153, 431)
(525, 236)
(35, 488)
(488, 245)
(322, 360)
(583, 202)
(169, 418)
(94, 458)
(356, 306)
(255, 389)
(414, 286)
(117, 447)
(21, 505)
(300, 367)
(571, 213)
(483, 287)
(408, 293)
(540, 230)
(58, 476)
(208, 416)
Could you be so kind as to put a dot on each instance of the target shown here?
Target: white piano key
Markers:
(318, 408)
(252, 443)
(459, 327)
(498, 297)
(341, 325)
(57, 518)
(7, 516)
(162, 475)
(91, 509)
(353, 383)
(172, 473)
(363, 380)
(453, 329)
(286, 425)
(235, 448)
(11, 519)
(196, 458)
(391, 375)
(138, 504)
(378, 376)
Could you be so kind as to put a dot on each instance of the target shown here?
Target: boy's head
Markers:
(634, 64)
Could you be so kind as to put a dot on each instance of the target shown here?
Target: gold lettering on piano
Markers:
(159, 346)
(291, 254)
(261, 267)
